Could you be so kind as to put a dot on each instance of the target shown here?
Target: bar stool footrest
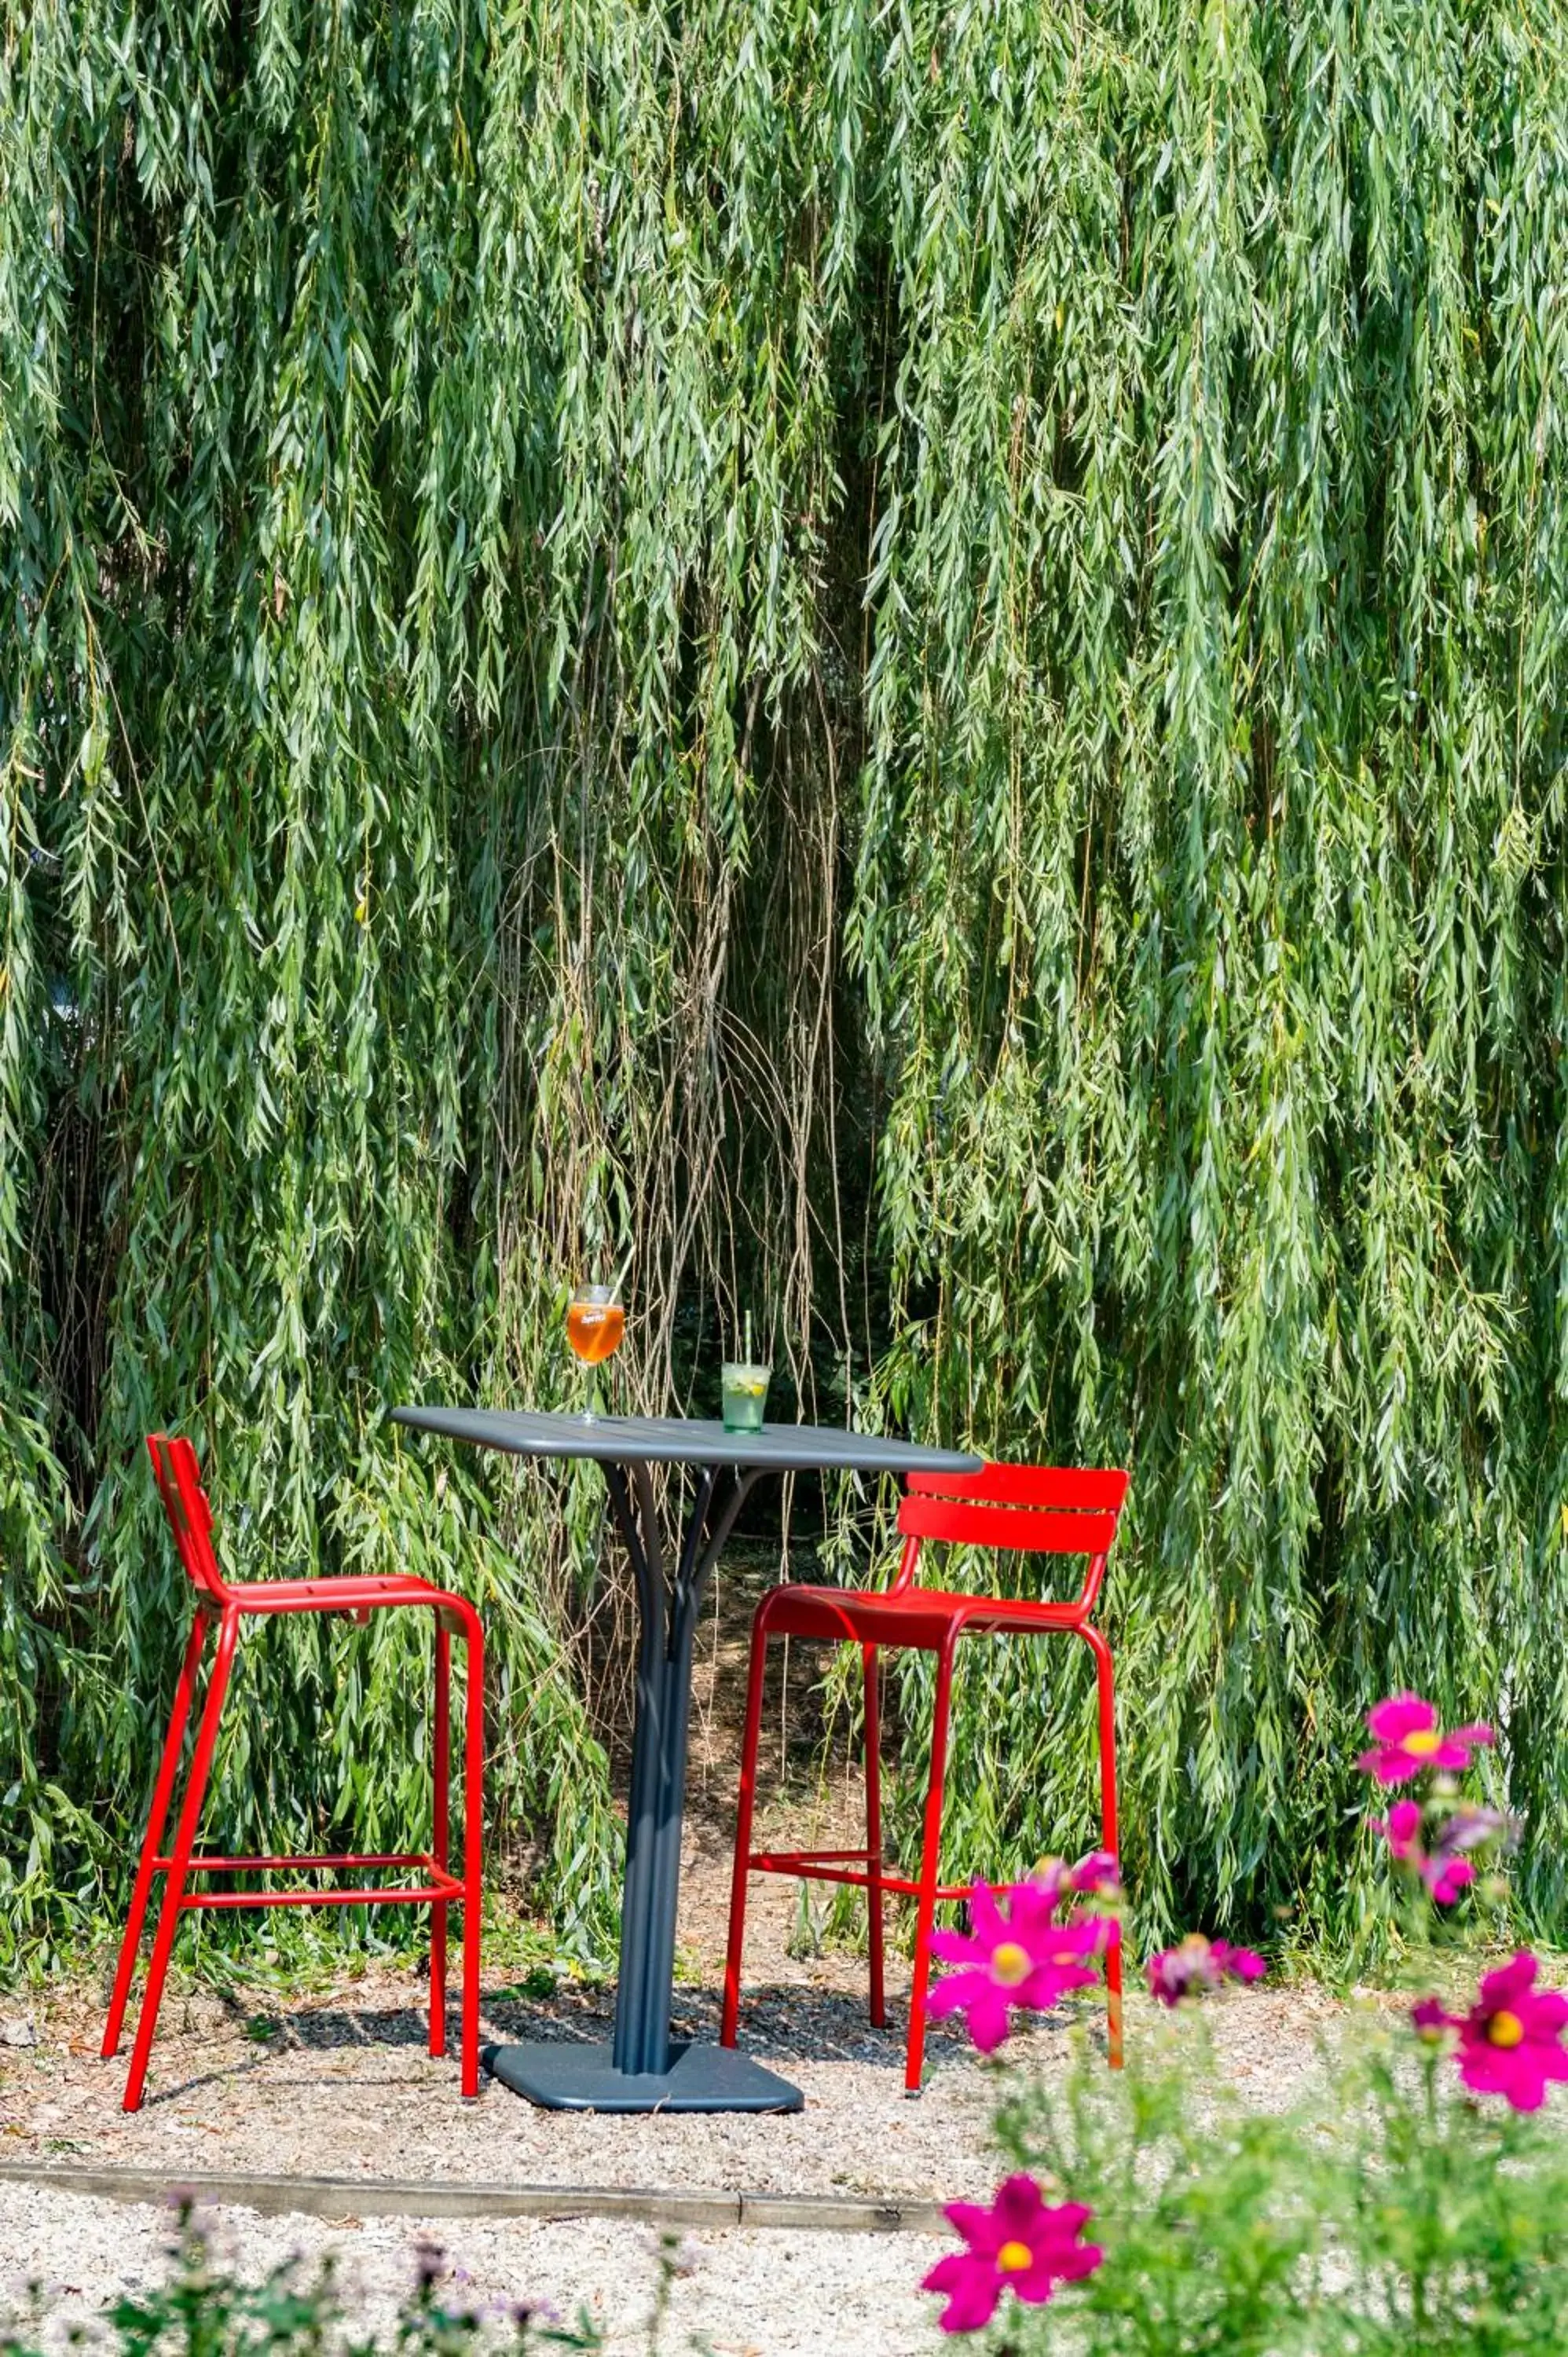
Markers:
(819, 1865)
(442, 1884)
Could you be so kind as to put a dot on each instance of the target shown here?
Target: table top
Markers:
(684, 1441)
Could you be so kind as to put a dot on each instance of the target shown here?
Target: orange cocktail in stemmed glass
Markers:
(595, 1324)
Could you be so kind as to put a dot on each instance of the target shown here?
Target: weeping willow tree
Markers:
(902, 661)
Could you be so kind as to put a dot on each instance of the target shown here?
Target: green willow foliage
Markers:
(903, 658)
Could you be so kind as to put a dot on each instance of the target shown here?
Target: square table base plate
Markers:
(567, 2076)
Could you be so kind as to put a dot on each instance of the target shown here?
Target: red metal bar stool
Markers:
(220, 1605)
(1026, 1509)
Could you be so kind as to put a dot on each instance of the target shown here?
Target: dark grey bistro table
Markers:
(644, 2070)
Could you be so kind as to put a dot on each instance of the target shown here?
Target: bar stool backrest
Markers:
(1025, 1509)
(178, 1477)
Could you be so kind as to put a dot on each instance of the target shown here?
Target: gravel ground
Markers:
(748, 2295)
(342, 2085)
(338, 2084)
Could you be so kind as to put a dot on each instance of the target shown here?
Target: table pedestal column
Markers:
(643, 2070)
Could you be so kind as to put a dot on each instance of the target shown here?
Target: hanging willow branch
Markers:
(907, 661)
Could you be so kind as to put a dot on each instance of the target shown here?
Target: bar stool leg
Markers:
(179, 1860)
(874, 1905)
(745, 1808)
(1109, 1834)
(473, 1851)
(441, 1737)
(930, 1861)
(168, 1767)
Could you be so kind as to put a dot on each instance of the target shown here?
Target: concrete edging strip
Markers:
(386, 2197)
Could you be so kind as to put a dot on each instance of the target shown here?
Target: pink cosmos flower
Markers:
(1409, 1741)
(1097, 1876)
(1429, 2020)
(1448, 1870)
(1196, 1964)
(1019, 2244)
(1401, 1828)
(1510, 2041)
(1049, 1877)
(1023, 1958)
(1236, 1964)
(1445, 1874)
(1446, 1877)
(1444, 1869)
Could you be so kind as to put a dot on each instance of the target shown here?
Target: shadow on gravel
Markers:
(786, 2022)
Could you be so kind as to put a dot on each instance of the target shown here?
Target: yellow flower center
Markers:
(1013, 2257)
(1010, 1963)
(1505, 2030)
(1423, 1743)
